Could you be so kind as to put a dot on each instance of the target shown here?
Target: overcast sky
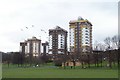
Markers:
(16, 15)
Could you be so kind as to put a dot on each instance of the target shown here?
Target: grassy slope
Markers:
(45, 72)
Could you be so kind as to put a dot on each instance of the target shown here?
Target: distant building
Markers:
(45, 48)
(80, 36)
(57, 41)
(31, 47)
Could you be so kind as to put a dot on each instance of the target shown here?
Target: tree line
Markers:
(106, 52)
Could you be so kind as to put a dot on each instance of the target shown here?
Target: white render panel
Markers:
(50, 52)
(33, 47)
(35, 54)
(85, 38)
(28, 47)
(50, 42)
(60, 52)
(37, 47)
(20, 48)
(46, 49)
(71, 36)
(61, 41)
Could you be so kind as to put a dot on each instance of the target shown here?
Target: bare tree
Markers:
(118, 41)
(108, 42)
(98, 53)
(96, 45)
(115, 41)
(118, 50)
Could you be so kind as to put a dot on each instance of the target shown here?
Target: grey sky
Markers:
(46, 14)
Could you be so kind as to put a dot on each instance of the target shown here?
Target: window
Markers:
(86, 37)
(86, 33)
(62, 46)
(86, 40)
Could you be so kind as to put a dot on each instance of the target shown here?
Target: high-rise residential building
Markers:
(31, 47)
(80, 33)
(57, 41)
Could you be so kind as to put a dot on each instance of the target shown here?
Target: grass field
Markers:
(54, 72)
(0, 70)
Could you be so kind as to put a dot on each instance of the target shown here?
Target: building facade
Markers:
(45, 48)
(57, 41)
(31, 47)
(80, 34)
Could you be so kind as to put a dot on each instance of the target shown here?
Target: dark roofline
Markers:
(58, 28)
(82, 20)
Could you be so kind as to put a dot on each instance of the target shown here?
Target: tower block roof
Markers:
(81, 20)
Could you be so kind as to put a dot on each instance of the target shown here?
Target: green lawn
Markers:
(0, 70)
(55, 72)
